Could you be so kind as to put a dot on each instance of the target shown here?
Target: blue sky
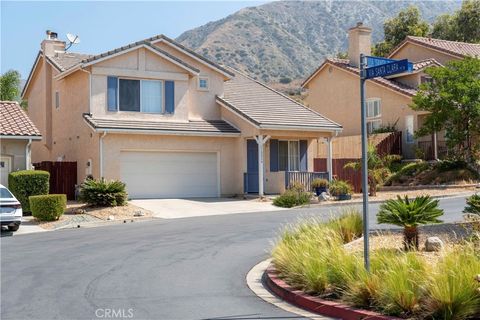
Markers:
(101, 26)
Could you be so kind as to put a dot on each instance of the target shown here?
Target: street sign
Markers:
(388, 69)
(377, 67)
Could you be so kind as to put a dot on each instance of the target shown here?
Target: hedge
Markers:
(26, 183)
(48, 207)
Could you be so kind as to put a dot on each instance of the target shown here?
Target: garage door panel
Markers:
(170, 174)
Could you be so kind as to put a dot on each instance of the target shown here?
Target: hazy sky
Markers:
(101, 26)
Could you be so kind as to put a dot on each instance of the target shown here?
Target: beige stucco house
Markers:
(17, 133)
(168, 122)
(334, 88)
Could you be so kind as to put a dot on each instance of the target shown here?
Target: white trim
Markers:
(298, 128)
(21, 137)
(229, 76)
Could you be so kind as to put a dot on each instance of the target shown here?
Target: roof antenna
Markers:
(74, 39)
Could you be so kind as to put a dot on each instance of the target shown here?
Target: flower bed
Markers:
(311, 257)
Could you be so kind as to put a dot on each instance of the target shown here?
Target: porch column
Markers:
(261, 163)
(329, 158)
(435, 146)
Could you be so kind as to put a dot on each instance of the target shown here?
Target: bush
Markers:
(48, 207)
(349, 225)
(103, 193)
(473, 204)
(292, 198)
(26, 183)
(319, 183)
(339, 187)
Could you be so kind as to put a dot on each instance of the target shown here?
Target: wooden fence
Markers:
(352, 176)
(63, 176)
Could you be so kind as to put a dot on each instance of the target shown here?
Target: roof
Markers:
(64, 61)
(422, 64)
(267, 108)
(15, 122)
(345, 64)
(202, 127)
(455, 48)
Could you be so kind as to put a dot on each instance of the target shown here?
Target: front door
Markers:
(5, 169)
(252, 166)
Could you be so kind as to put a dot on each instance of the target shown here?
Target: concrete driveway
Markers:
(197, 207)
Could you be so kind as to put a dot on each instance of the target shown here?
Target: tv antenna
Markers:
(73, 39)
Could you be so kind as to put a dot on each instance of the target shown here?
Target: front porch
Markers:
(275, 162)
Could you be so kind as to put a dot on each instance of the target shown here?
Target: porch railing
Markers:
(303, 177)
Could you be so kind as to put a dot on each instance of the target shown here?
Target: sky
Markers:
(101, 26)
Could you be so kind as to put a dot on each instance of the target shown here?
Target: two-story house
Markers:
(168, 122)
(334, 89)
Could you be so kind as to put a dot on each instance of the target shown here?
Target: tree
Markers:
(452, 99)
(463, 25)
(10, 87)
(410, 214)
(377, 168)
(408, 22)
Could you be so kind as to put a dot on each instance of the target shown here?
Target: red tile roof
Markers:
(459, 49)
(14, 121)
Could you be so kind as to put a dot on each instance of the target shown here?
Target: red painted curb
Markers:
(315, 304)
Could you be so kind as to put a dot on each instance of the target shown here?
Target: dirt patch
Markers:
(128, 211)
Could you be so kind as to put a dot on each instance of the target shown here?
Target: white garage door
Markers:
(170, 174)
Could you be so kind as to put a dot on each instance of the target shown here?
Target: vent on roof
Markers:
(51, 35)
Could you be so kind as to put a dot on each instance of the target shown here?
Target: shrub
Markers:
(349, 225)
(103, 193)
(26, 183)
(409, 214)
(292, 198)
(339, 187)
(319, 183)
(452, 292)
(296, 186)
(48, 207)
(473, 204)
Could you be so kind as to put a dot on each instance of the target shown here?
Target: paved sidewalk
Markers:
(28, 226)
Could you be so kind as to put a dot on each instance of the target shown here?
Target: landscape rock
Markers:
(139, 213)
(433, 244)
(323, 197)
(79, 211)
(111, 218)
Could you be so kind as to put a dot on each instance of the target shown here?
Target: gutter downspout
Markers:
(28, 160)
(101, 152)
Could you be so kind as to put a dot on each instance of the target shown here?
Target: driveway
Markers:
(198, 207)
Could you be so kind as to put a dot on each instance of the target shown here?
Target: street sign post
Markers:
(377, 67)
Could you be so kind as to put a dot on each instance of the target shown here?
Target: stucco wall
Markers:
(15, 150)
(230, 182)
(414, 52)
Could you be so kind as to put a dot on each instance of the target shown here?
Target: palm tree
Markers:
(409, 214)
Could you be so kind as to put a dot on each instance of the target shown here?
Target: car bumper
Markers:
(11, 222)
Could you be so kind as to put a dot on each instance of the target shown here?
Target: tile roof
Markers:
(419, 65)
(64, 61)
(266, 107)
(15, 122)
(345, 64)
(210, 127)
(459, 49)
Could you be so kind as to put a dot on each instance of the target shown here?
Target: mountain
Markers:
(289, 39)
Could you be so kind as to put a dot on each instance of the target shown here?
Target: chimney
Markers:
(359, 41)
(51, 45)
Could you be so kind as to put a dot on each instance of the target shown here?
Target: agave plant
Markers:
(409, 214)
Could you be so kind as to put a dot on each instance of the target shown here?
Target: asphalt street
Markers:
(192, 268)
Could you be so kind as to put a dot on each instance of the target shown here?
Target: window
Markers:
(373, 108)
(57, 100)
(409, 133)
(203, 83)
(288, 155)
(140, 95)
(372, 125)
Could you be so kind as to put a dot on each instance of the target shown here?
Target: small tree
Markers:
(452, 99)
(463, 25)
(410, 214)
(10, 87)
(377, 168)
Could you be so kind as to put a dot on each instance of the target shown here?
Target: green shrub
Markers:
(26, 183)
(473, 204)
(453, 292)
(319, 183)
(49, 207)
(339, 187)
(292, 198)
(349, 225)
(103, 193)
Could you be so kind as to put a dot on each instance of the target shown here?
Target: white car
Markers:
(10, 210)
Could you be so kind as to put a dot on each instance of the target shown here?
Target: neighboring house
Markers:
(334, 88)
(17, 133)
(168, 122)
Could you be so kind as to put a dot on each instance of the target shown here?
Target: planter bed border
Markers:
(316, 304)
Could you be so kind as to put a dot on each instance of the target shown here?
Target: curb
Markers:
(316, 304)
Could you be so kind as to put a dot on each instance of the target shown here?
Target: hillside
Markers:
(289, 39)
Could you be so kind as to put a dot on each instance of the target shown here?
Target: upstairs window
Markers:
(203, 83)
(57, 100)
